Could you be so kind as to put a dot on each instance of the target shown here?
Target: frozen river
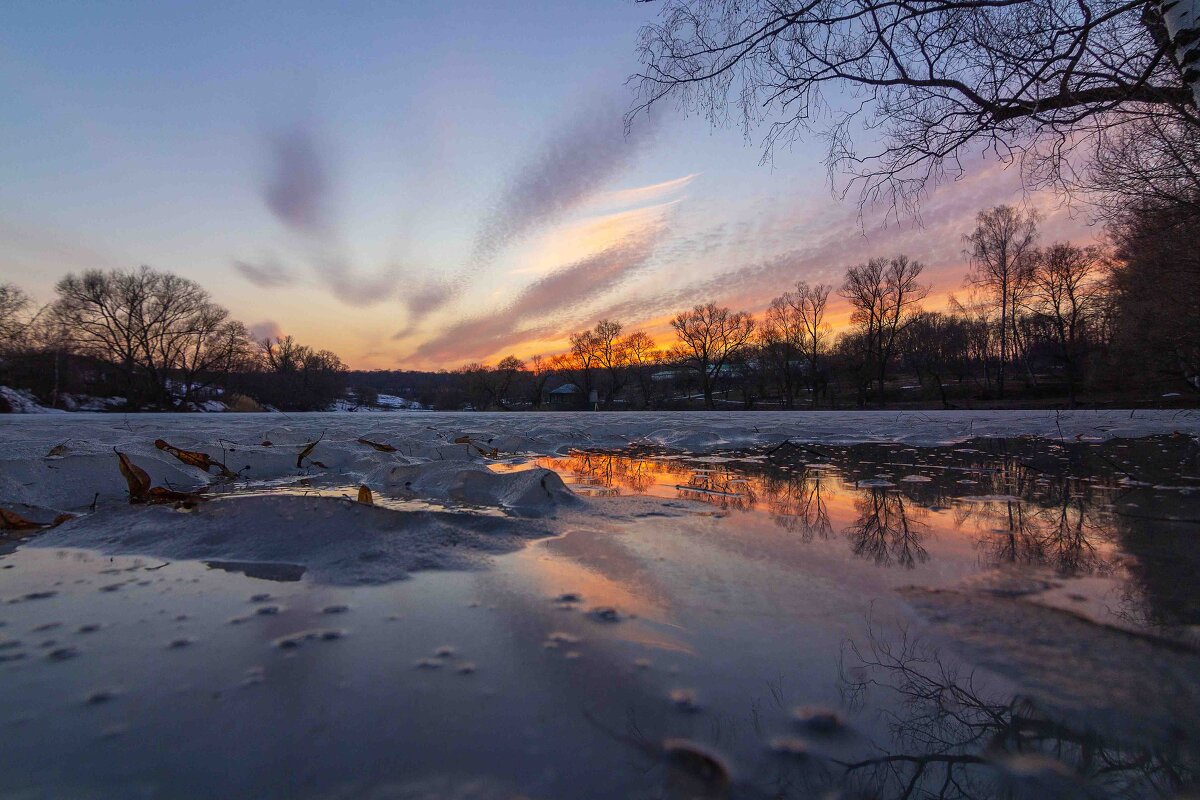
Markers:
(577, 606)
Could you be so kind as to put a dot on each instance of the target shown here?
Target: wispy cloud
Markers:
(641, 195)
(267, 274)
(298, 192)
(574, 162)
(571, 242)
(353, 288)
(548, 298)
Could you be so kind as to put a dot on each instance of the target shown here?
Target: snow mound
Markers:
(339, 542)
(19, 401)
(75, 482)
(533, 492)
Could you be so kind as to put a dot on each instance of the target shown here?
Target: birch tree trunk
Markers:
(1182, 20)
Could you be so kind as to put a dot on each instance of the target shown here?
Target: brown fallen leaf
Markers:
(195, 459)
(140, 490)
(364, 495)
(158, 494)
(493, 453)
(266, 443)
(12, 521)
(58, 450)
(308, 448)
(463, 440)
(136, 477)
(380, 446)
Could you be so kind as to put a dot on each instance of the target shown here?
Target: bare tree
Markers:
(643, 357)
(540, 370)
(509, 367)
(935, 344)
(885, 294)
(1156, 278)
(14, 316)
(477, 385)
(1153, 163)
(1068, 290)
(809, 304)
(611, 356)
(943, 79)
(163, 331)
(585, 360)
(709, 336)
(775, 338)
(299, 377)
(1001, 250)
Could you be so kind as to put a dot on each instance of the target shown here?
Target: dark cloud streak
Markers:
(267, 274)
(298, 189)
(574, 162)
(547, 297)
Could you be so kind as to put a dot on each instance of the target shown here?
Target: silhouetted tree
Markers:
(1067, 289)
(643, 357)
(295, 377)
(709, 335)
(162, 331)
(936, 345)
(540, 371)
(885, 294)
(1156, 278)
(1002, 249)
(509, 368)
(1039, 80)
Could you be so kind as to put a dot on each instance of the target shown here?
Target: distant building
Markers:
(566, 395)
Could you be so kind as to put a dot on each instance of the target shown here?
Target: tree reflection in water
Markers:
(1021, 516)
(888, 529)
(1026, 504)
(799, 503)
(953, 738)
(1065, 535)
(719, 486)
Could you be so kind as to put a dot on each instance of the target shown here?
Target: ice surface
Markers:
(341, 542)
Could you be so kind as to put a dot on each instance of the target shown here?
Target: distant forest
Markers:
(1035, 325)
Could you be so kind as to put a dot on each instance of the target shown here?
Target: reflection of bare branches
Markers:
(1063, 535)
(953, 740)
(800, 505)
(887, 529)
(719, 487)
(606, 470)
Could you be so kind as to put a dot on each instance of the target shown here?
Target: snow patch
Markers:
(339, 542)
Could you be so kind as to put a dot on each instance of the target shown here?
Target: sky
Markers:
(418, 185)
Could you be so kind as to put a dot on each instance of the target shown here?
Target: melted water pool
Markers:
(1002, 619)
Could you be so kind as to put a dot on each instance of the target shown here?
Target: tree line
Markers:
(1034, 323)
(153, 341)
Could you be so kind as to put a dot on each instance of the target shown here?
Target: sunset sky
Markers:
(416, 185)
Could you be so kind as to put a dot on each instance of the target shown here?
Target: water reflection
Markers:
(1073, 510)
(889, 528)
(953, 736)
(1064, 531)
